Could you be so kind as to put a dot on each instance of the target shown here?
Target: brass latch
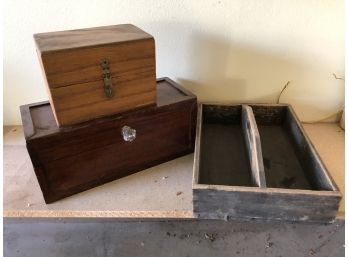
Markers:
(104, 63)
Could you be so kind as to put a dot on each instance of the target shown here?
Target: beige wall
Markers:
(222, 50)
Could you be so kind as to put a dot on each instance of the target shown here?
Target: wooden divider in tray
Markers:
(256, 162)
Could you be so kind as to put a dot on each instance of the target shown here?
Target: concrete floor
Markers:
(106, 238)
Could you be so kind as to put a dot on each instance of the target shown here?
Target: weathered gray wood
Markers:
(266, 204)
(282, 135)
(316, 201)
(253, 145)
(197, 153)
(312, 163)
(222, 114)
(269, 114)
(223, 158)
(283, 167)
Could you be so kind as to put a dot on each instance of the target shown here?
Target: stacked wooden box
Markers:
(107, 117)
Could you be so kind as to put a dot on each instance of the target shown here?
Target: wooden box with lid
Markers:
(68, 160)
(97, 72)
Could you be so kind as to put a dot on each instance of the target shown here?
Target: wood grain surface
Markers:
(218, 203)
(253, 145)
(70, 160)
(71, 60)
(79, 38)
(297, 187)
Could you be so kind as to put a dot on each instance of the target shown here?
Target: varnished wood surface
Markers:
(291, 192)
(128, 61)
(129, 197)
(40, 122)
(74, 159)
(71, 60)
(63, 40)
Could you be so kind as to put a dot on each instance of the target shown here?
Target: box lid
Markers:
(75, 56)
(79, 38)
(38, 119)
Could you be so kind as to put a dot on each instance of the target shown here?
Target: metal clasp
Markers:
(104, 63)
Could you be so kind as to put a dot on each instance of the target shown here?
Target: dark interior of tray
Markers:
(288, 159)
(282, 166)
(224, 159)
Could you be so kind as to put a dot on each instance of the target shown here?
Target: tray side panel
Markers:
(316, 171)
(220, 204)
(197, 151)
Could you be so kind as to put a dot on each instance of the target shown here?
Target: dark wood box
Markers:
(72, 159)
(256, 162)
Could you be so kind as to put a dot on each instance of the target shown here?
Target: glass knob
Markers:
(128, 133)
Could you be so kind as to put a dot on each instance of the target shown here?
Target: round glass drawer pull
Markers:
(128, 133)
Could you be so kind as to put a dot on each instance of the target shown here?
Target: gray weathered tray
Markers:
(256, 162)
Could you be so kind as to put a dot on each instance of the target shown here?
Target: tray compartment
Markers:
(225, 147)
(283, 176)
(289, 159)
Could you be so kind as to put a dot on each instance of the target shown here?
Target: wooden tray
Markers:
(256, 162)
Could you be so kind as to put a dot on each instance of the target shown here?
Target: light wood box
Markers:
(97, 72)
